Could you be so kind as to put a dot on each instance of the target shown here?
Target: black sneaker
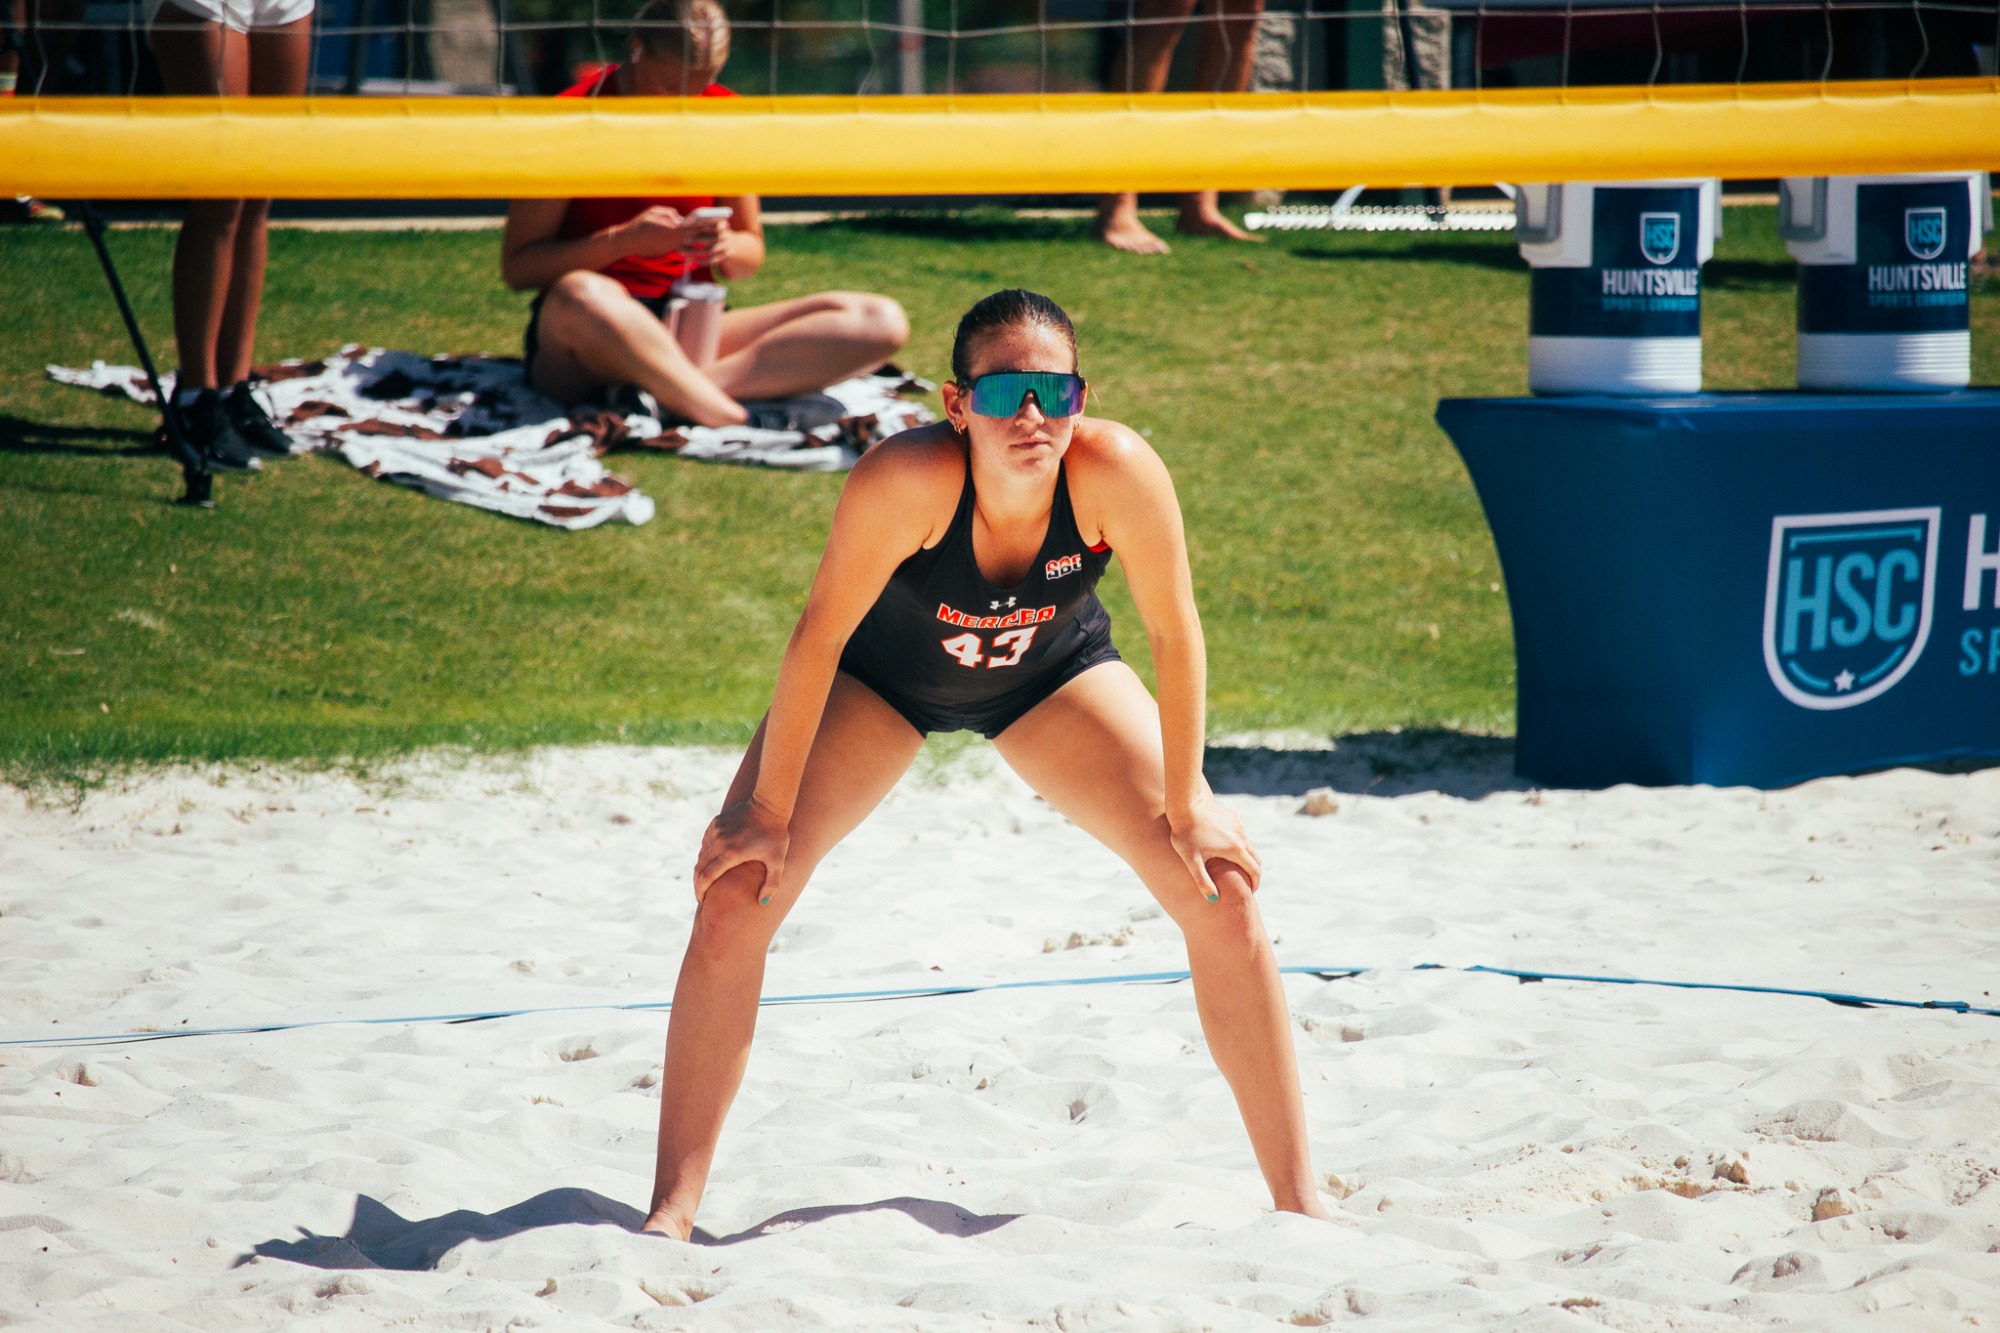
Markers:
(206, 426)
(802, 411)
(253, 424)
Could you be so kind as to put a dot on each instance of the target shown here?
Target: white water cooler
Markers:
(1615, 296)
(1883, 277)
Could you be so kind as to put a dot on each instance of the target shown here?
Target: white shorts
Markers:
(238, 15)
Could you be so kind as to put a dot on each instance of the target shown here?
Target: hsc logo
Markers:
(1924, 231)
(1847, 602)
(1660, 236)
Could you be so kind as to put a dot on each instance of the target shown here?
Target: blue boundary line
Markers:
(1832, 997)
(924, 992)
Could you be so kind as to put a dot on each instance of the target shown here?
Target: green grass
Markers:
(1344, 570)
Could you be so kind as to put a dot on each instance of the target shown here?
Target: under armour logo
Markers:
(995, 606)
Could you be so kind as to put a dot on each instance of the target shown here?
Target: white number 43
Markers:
(966, 647)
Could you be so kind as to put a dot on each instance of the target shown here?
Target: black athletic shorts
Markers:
(990, 717)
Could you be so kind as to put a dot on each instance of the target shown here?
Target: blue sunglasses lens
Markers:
(1001, 395)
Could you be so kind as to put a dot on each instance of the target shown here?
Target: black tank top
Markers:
(942, 637)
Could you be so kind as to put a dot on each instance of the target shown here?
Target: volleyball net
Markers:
(451, 98)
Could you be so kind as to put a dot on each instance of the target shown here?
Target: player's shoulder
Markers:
(924, 455)
(918, 469)
(1115, 478)
(1110, 450)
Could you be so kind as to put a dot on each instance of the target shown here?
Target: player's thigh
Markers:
(198, 55)
(577, 314)
(742, 327)
(1092, 750)
(280, 58)
(863, 747)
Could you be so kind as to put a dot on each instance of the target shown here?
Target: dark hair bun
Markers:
(1006, 310)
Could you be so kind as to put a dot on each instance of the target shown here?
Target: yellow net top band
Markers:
(376, 148)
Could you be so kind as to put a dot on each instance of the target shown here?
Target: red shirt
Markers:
(643, 276)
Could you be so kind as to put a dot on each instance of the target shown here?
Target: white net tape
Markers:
(538, 47)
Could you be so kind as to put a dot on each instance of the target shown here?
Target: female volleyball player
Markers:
(956, 592)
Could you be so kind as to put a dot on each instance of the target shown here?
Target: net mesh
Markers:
(969, 47)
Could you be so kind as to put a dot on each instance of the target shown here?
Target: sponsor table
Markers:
(1751, 588)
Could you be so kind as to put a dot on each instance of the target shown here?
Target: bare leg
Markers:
(203, 256)
(790, 347)
(592, 333)
(1201, 215)
(197, 57)
(1093, 751)
(1228, 52)
(278, 61)
(1141, 67)
(862, 747)
(236, 321)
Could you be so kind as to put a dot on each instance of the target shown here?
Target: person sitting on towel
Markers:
(605, 270)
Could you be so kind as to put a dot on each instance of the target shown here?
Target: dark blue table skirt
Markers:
(1744, 588)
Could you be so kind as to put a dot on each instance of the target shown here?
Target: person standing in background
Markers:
(1416, 47)
(14, 27)
(1223, 65)
(1416, 57)
(228, 48)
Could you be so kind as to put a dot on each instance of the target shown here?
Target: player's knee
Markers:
(883, 322)
(731, 924)
(1231, 922)
(582, 298)
(877, 322)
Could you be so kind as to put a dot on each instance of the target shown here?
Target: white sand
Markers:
(1512, 1156)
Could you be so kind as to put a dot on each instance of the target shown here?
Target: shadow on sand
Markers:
(1375, 763)
(379, 1237)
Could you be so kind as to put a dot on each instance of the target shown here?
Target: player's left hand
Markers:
(1212, 832)
(712, 247)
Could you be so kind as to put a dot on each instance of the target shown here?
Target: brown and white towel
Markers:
(469, 429)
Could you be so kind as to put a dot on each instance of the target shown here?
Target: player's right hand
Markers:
(710, 244)
(744, 832)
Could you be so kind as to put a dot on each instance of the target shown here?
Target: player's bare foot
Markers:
(1200, 216)
(669, 1223)
(1310, 1207)
(1118, 226)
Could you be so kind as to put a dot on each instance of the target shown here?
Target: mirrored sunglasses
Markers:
(1002, 393)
